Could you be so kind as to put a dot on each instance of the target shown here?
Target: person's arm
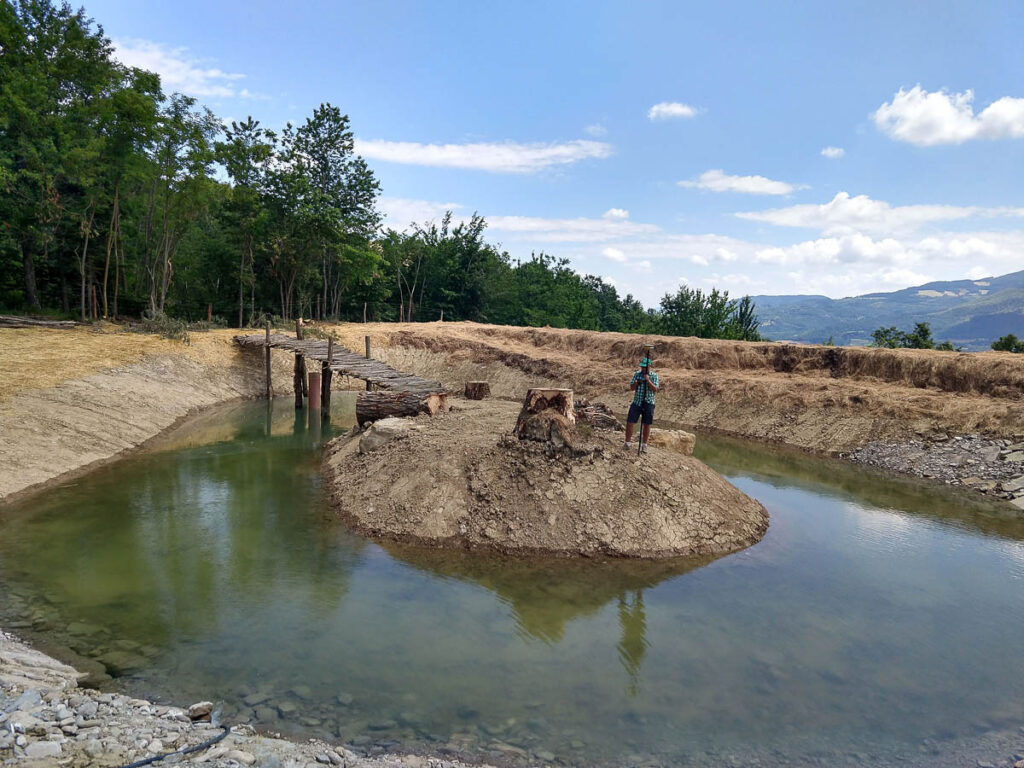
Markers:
(650, 383)
(634, 383)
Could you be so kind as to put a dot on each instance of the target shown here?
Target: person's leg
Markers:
(631, 419)
(645, 425)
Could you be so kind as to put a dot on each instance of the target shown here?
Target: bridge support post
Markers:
(266, 345)
(299, 376)
(367, 338)
(314, 391)
(325, 379)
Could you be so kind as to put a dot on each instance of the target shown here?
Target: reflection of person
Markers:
(644, 386)
(633, 645)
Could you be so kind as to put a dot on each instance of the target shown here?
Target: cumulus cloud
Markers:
(833, 153)
(578, 230)
(616, 214)
(179, 70)
(495, 157)
(927, 119)
(846, 214)
(716, 180)
(400, 212)
(596, 130)
(671, 110)
(614, 254)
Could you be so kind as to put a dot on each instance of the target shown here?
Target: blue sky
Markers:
(651, 143)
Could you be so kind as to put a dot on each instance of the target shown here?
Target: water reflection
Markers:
(545, 594)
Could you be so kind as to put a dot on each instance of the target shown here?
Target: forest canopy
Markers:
(119, 199)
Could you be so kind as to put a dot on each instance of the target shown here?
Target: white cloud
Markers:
(977, 273)
(596, 130)
(615, 214)
(496, 157)
(717, 180)
(699, 260)
(400, 212)
(179, 70)
(844, 214)
(669, 110)
(614, 254)
(580, 230)
(927, 119)
(643, 267)
(833, 153)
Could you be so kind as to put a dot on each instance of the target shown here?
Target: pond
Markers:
(879, 619)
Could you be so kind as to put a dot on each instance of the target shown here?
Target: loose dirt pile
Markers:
(460, 479)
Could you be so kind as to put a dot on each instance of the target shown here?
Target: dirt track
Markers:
(824, 399)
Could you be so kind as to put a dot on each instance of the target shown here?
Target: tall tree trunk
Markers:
(241, 287)
(111, 239)
(85, 257)
(29, 263)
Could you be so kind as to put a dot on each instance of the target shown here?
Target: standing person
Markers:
(644, 386)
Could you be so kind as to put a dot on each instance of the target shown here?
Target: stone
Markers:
(1018, 502)
(345, 699)
(27, 700)
(1015, 456)
(256, 698)
(40, 749)
(122, 662)
(200, 710)
(674, 440)
(382, 725)
(93, 748)
(302, 691)
(1013, 485)
(286, 708)
(238, 755)
(383, 432)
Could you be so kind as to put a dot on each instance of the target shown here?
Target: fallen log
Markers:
(477, 390)
(372, 406)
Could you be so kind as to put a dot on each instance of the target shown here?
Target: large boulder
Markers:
(383, 432)
(674, 440)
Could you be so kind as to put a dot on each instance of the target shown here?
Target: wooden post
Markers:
(368, 385)
(95, 310)
(267, 346)
(314, 390)
(209, 313)
(299, 377)
(477, 390)
(364, 311)
(325, 378)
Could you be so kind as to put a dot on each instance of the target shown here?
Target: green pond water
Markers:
(875, 613)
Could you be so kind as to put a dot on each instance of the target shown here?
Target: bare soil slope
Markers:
(826, 399)
(460, 479)
(72, 398)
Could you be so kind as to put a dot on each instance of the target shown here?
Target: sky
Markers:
(761, 148)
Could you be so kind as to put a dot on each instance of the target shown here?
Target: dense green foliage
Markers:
(919, 338)
(118, 199)
(1008, 343)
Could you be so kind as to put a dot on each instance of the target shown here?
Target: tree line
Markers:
(118, 199)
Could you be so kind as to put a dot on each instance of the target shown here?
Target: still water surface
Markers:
(874, 614)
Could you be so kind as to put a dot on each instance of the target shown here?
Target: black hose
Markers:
(184, 751)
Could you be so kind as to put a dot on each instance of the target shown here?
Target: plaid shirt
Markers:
(643, 393)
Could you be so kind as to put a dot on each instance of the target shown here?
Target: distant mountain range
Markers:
(970, 313)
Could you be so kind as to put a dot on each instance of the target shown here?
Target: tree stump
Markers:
(477, 390)
(539, 400)
(371, 406)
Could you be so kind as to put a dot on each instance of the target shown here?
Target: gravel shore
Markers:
(992, 467)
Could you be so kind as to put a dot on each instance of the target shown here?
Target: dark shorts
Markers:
(636, 411)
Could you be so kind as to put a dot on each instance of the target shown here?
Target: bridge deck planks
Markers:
(345, 362)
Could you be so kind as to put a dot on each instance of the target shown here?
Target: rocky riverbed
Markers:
(993, 467)
(46, 719)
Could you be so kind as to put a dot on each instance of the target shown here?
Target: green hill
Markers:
(970, 313)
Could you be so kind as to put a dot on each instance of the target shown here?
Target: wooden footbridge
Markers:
(406, 390)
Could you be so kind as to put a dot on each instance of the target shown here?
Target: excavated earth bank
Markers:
(460, 479)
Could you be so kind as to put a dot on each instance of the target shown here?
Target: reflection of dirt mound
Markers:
(547, 594)
(460, 479)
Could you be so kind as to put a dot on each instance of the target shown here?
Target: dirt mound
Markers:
(460, 479)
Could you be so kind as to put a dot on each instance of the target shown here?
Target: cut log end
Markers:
(477, 390)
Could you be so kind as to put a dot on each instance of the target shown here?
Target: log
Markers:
(325, 378)
(371, 406)
(477, 390)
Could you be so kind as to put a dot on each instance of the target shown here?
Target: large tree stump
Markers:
(371, 406)
(477, 390)
(539, 400)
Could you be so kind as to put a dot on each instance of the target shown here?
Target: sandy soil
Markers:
(824, 399)
(458, 479)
